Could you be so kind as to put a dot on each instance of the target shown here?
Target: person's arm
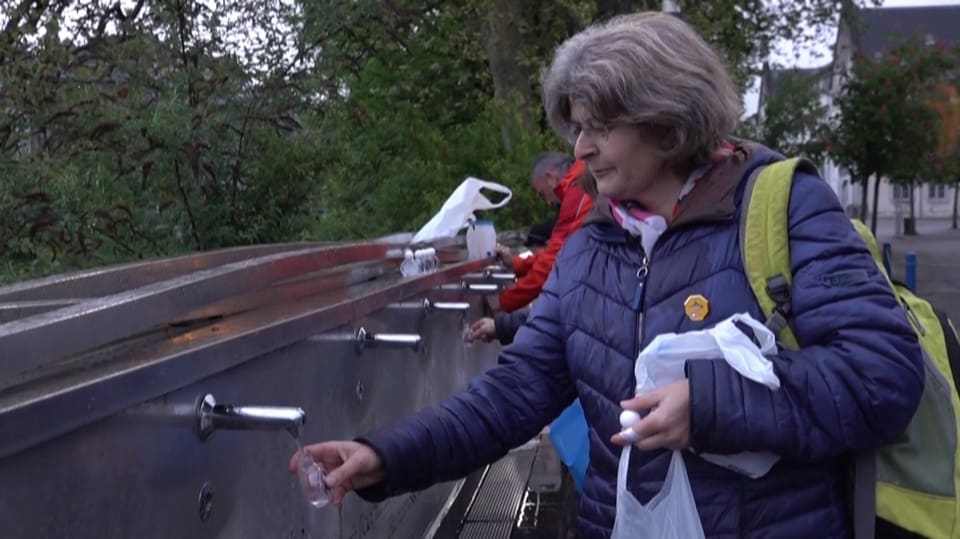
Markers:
(573, 210)
(502, 408)
(523, 264)
(856, 381)
(506, 325)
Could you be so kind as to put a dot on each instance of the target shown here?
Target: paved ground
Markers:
(938, 261)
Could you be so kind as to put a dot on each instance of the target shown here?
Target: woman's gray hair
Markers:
(547, 161)
(651, 70)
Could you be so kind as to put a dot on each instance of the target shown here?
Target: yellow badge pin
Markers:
(696, 307)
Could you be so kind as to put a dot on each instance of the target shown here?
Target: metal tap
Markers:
(486, 289)
(365, 338)
(212, 416)
(446, 306)
(491, 275)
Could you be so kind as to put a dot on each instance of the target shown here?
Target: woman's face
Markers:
(622, 158)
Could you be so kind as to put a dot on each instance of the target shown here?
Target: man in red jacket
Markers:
(556, 177)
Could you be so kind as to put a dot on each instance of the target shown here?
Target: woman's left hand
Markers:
(667, 426)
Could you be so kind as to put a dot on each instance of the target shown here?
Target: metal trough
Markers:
(160, 399)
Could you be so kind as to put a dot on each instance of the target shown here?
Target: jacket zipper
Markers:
(642, 272)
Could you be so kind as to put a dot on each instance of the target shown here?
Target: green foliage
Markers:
(794, 117)
(151, 140)
(422, 166)
(885, 124)
(136, 130)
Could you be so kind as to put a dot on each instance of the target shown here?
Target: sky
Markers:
(820, 53)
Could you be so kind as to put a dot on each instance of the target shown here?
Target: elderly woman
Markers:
(649, 108)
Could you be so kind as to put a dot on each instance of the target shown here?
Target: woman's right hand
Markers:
(349, 466)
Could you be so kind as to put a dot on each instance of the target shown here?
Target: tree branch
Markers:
(186, 204)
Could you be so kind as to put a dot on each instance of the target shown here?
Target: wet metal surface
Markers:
(99, 432)
(48, 337)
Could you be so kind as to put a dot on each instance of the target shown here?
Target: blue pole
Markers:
(911, 271)
(887, 256)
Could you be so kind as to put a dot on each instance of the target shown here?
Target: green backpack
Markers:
(912, 483)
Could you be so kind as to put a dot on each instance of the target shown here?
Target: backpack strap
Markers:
(865, 495)
(765, 244)
(953, 345)
(765, 250)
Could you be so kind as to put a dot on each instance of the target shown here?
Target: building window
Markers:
(937, 191)
(901, 192)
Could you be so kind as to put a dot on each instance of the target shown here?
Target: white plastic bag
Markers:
(458, 210)
(662, 361)
(670, 514)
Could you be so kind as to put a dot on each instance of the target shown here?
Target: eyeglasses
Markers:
(597, 132)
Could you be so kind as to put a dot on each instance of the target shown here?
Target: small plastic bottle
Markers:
(312, 483)
(410, 266)
(427, 259)
(481, 240)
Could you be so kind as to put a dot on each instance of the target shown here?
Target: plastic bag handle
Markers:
(495, 187)
(623, 468)
(765, 338)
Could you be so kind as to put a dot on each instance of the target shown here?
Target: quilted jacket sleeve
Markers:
(856, 381)
(508, 324)
(501, 409)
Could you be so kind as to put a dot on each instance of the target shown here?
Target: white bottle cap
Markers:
(629, 418)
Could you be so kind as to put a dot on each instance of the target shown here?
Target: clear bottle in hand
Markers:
(312, 483)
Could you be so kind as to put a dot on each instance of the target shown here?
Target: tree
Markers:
(945, 160)
(885, 125)
(140, 129)
(137, 132)
(451, 59)
(517, 38)
(793, 116)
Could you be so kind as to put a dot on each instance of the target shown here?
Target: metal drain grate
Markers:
(486, 530)
(503, 488)
(528, 479)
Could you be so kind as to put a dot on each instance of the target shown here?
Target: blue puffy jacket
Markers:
(854, 384)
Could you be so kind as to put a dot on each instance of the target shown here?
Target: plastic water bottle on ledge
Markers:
(419, 262)
(427, 258)
(481, 240)
(409, 267)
